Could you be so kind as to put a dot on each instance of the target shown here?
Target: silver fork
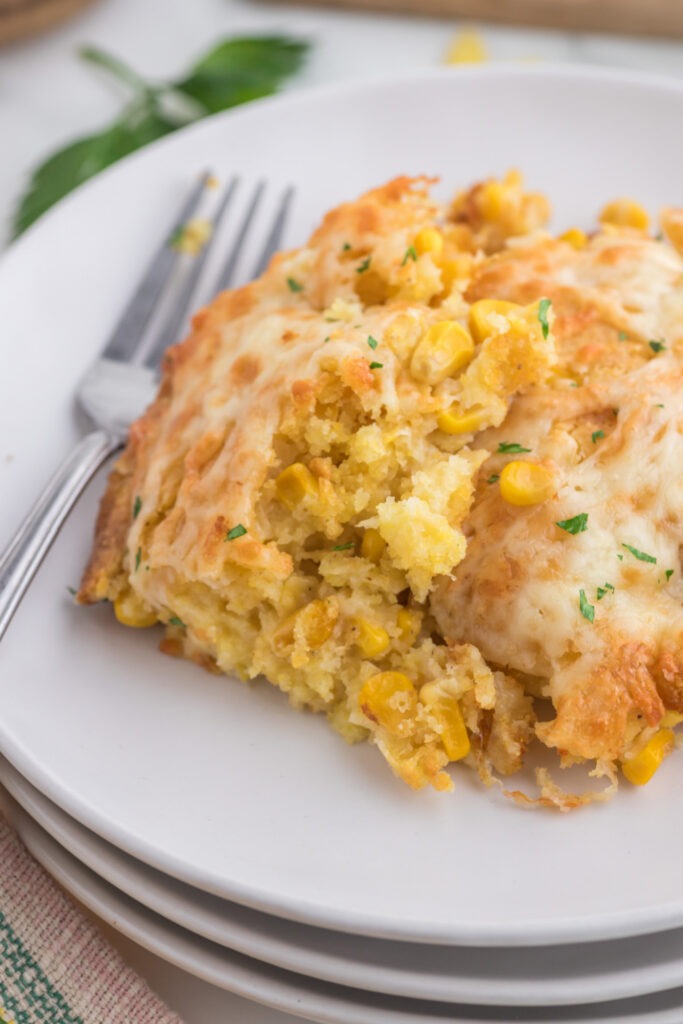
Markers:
(119, 384)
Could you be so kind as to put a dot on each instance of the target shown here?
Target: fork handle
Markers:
(25, 552)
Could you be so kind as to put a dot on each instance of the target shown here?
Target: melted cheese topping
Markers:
(313, 495)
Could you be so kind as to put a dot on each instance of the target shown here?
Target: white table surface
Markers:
(47, 97)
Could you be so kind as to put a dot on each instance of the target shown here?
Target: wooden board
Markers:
(20, 18)
(632, 17)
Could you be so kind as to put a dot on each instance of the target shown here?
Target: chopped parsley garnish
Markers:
(346, 247)
(657, 346)
(659, 405)
(585, 607)
(607, 588)
(326, 340)
(620, 557)
(596, 435)
(365, 265)
(175, 237)
(669, 573)
(293, 285)
(73, 592)
(175, 621)
(577, 524)
(543, 307)
(623, 335)
(410, 254)
(511, 448)
(376, 366)
(372, 342)
(642, 556)
(137, 505)
(494, 478)
(138, 556)
(345, 547)
(237, 531)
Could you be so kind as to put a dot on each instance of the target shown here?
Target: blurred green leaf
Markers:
(235, 71)
(82, 160)
(243, 69)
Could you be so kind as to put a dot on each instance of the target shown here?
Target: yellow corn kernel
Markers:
(672, 226)
(409, 623)
(459, 421)
(428, 240)
(390, 700)
(372, 545)
(402, 334)
(640, 769)
(294, 484)
(625, 213)
(373, 641)
(314, 623)
(575, 237)
(526, 483)
(452, 270)
(454, 736)
(467, 48)
(443, 350)
(131, 610)
(480, 315)
(318, 620)
(670, 719)
(492, 200)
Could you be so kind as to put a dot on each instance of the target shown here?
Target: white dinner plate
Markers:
(221, 784)
(305, 997)
(525, 976)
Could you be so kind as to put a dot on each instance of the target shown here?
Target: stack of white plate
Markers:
(204, 818)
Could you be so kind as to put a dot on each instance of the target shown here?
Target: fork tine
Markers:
(225, 277)
(170, 330)
(130, 329)
(274, 238)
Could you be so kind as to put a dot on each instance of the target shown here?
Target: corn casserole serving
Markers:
(423, 475)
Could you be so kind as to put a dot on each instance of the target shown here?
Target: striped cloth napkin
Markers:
(55, 967)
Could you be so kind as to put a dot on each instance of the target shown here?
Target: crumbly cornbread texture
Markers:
(351, 477)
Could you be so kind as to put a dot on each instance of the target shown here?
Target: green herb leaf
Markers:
(376, 366)
(235, 532)
(659, 405)
(137, 505)
(596, 435)
(241, 69)
(511, 448)
(82, 160)
(410, 254)
(138, 556)
(372, 342)
(608, 588)
(657, 346)
(346, 247)
(585, 607)
(493, 478)
(365, 265)
(669, 573)
(345, 547)
(642, 556)
(326, 340)
(175, 621)
(294, 286)
(577, 524)
(237, 70)
(623, 336)
(543, 307)
(73, 591)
